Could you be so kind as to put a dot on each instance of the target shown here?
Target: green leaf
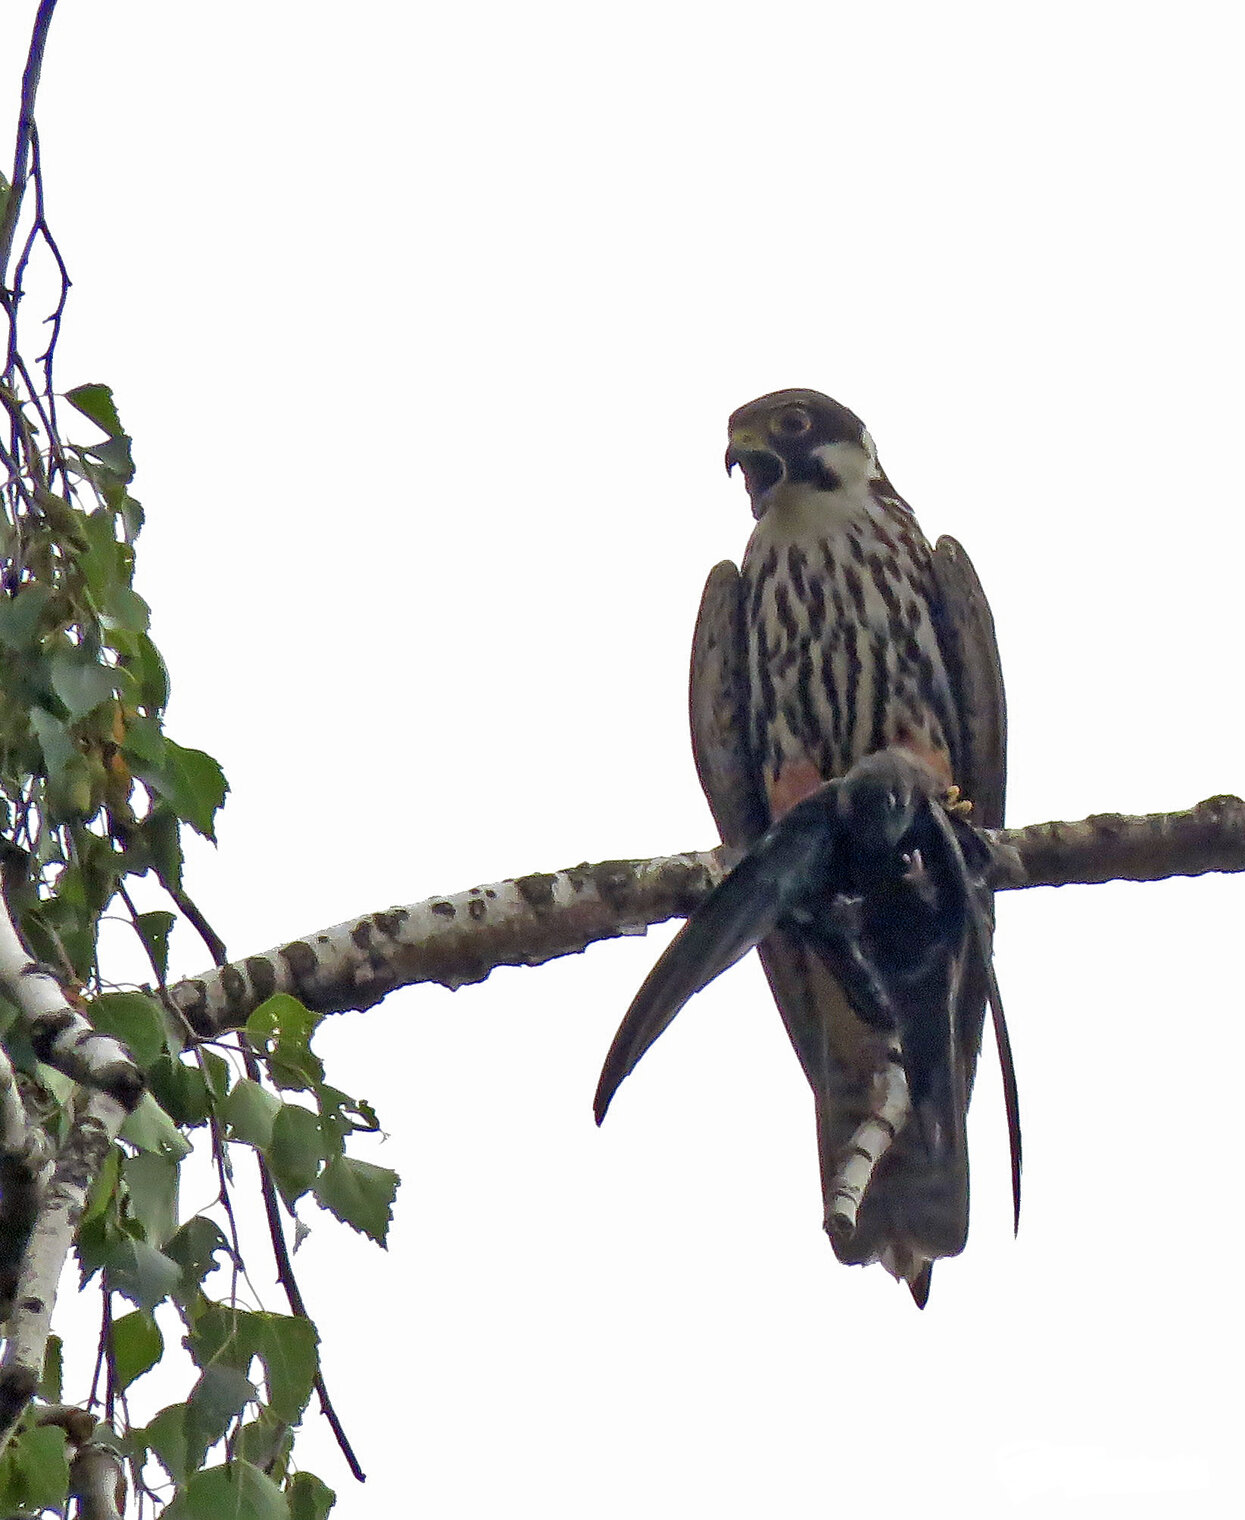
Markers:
(161, 834)
(40, 1458)
(288, 1346)
(139, 1272)
(69, 778)
(95, 401)
(137, 1346)
(150, 1128)
(282, 1028)
(152, 1180)
(295, 1151)
(154, 929)
(222, 1333)
(104, 1186)
(267, 1442)
(124, 608)
(236, 1491)
(106, 563)
(249, 1111)
(50, 1382)
(166, 1436)
(181, 1089)
(216, 1073)
(342, 1115)
(20, 615)
(152, 675)
(192, 783)
(80, 683)
(134, 1019)
(194, 1248)
(308, 1497)
(360, 1194)
(144, 740)
(114, 457)
(220, 1395)
(11, 1485)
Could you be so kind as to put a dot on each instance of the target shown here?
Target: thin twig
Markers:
(25, 128)
(286, 1275)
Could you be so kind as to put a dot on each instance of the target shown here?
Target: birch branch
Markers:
(96, 1470)
(77, 1165)
(25, 1166)
(97, 1481)
(532, 919)
(1114, 847)
(61, 1037)
(453, 940)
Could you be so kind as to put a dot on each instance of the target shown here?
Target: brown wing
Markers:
(719, 711)
(971, 654)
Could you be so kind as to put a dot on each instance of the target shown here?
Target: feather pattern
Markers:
(846, 634)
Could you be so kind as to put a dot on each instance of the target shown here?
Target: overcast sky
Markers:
(426, 321)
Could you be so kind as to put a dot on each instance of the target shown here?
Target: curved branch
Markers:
(61, 1036)
(453, 940)
(531, 919)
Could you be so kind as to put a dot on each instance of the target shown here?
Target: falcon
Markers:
(844, 636)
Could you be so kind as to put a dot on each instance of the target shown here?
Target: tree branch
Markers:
(60, 1209)
(25, 131)
(62, 1038)
(97, 1480)
(532, 919)
(25, 1166)
(60, 1035)
(1115, 847)
(96, 1472)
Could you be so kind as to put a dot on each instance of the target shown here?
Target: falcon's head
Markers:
(799, 438)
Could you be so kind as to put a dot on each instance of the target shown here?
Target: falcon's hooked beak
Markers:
(762, 468)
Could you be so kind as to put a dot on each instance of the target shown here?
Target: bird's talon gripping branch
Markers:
(955, 803)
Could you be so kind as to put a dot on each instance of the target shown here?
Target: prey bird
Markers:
(845, 637)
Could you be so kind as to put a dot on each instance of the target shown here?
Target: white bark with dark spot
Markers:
(532, 919)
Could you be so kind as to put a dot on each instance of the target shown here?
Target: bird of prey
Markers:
(844, 636)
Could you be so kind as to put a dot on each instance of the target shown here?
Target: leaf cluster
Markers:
(94, 795)
(92, 789)
(256, 1369)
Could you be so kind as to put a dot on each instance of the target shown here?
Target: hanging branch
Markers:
(531, 919)
(25, 133)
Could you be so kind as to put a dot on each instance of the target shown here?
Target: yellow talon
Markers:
(956, 804)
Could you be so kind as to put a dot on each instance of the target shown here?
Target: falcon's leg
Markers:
(889, 1108)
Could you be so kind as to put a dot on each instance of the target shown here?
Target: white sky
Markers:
(426, 322)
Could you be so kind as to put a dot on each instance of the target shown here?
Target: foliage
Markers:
(94, 795)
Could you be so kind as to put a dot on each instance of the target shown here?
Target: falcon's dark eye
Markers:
(794, 421)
